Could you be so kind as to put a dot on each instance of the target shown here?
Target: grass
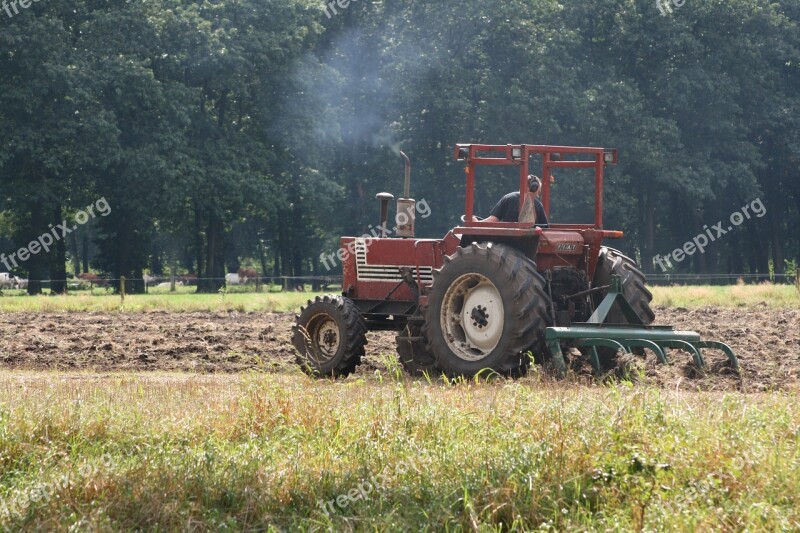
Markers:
(778, 296)
(284, 452)
(781, 296)
(180, 302)
(168, 452)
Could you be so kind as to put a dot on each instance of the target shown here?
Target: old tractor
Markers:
(491, 296)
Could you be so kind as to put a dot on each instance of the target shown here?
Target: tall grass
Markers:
(201, 453)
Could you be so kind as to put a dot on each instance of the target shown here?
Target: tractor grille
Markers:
(367, 272)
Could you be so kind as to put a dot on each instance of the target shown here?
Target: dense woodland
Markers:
(255, 132)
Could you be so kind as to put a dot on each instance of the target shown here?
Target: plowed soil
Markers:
(766, 340)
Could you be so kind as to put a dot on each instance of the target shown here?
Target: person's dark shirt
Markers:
(507, 210)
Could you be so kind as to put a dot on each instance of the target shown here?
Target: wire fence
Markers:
(181, 284)
(188, 284)
(720, 279)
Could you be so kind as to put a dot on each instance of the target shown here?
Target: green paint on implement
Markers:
(623, 337)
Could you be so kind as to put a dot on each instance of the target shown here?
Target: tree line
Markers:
(256, 132)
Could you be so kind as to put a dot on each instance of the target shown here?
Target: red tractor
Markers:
(490, 296)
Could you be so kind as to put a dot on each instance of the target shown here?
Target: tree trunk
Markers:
(262, 256)
(649, 229)
(36, 264)
(156, 264)
(276, 265)
(286, 257)
(58, 261)
(316, 285)
(85, 252)
(76, 254)
(198, 246)
(215, 258)
(698, 262)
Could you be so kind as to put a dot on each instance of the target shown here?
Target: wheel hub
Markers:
(325, 335)
(479, 317)
(472, 317)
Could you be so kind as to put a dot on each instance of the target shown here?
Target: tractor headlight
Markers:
(608, 157)
(516, 153)
(463, 153)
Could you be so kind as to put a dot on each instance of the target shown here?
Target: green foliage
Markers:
(260, 130)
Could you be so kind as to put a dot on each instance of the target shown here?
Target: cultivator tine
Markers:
(593, 344)
(622, 337)
(660, 352)
(687, 347)
(716, 345)
(554, 345)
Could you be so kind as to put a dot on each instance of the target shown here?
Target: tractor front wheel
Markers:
(329, 335)
(486, 306)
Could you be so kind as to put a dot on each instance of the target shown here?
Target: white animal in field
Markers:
(8, 281)
(166, 284)
(232, 279)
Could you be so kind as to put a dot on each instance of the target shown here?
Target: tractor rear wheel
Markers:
(329, 335)
(486, 306)
(613, 262)
(414, 355)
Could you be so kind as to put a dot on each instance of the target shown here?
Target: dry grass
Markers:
(174, 452)
(783, 296)
(181, 302)
(764, 294)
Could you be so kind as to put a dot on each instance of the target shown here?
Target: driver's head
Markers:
(534, 183)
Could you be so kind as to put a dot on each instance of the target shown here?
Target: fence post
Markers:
(122, 288)
(172, 279)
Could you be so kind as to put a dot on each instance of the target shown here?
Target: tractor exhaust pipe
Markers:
(406, 206)
(407, 183)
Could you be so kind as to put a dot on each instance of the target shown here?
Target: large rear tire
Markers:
(486, 306)
(329, 335)
(613, 262)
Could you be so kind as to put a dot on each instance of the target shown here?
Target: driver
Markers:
(507, 209)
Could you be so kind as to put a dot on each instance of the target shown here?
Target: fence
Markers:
(178, 284)
(181, 284)
(722, 279)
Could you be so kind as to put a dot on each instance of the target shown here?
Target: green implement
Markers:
(622, 337)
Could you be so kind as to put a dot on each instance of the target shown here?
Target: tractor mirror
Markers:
(610, 158)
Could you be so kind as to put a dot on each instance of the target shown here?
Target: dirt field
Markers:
(766, 340)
